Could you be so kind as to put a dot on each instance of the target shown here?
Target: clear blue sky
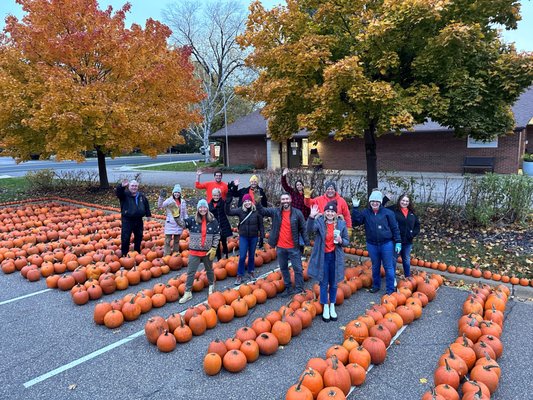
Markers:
(144, 9)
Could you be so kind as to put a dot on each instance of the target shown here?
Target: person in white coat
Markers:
(175, 207)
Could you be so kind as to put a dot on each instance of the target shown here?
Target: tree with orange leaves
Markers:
(359, 68)
(73, 78)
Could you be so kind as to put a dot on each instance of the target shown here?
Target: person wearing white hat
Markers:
(382, 238)
(204, 236)
(326, 263)
(134, 207)
(175, 206)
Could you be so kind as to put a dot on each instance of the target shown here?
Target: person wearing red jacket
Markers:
(330, 195)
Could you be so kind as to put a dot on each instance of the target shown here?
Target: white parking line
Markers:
(82, 359)
(96, 353)
(23, 297)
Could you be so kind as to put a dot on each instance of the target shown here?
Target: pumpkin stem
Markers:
(447, 366)
(452, 355)
(298, 386)
(465, 342)
(334, 362)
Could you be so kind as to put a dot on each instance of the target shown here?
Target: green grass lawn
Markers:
(178, 166)
(12, 189)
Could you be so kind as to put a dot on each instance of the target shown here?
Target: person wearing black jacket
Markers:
(133, 207)
(409, 226)
(218, 209)
(288, 225)
(250, 225)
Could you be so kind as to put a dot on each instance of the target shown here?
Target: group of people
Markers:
(389, 231)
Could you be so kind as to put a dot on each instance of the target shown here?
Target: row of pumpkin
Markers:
(366, 340)
(469, 364)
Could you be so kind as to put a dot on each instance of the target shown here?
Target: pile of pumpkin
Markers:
(264, 336)
(278, 327)
(472, 357)
(221, 307)
(366, 340)
(148, 298)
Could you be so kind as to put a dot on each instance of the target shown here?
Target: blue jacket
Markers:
(379, 228)
(316, 261)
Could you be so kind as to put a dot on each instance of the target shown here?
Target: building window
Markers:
(472, 143)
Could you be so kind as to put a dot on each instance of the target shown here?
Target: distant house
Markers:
(430, 148)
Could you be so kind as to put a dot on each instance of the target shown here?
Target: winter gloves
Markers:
(211, 253)
(398, 247)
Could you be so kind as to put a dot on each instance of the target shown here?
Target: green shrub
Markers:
(498, 198)
(41, 180)
(239, 169)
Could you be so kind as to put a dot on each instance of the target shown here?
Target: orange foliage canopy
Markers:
(73, 78)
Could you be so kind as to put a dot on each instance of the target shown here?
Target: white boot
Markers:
(325, 313)
(332, 312)
(186, 297)
(211, 289)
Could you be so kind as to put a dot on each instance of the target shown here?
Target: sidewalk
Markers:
(435, 186)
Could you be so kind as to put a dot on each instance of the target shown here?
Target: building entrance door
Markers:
(294, 153)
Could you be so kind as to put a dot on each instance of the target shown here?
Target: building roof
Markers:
(254, 124)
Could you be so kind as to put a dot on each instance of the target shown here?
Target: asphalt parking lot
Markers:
(51, 349)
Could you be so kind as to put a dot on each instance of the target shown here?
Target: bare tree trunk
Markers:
(102, 170)
(371, 158)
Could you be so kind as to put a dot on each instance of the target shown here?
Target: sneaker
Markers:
(186, 297)
(211, 289)
(238, 281)
(325, 313)
(332, 312)
(251, 276)
(374, 290)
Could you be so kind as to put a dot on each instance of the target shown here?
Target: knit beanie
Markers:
(177, 188)
(330, 183)
(331, 205)
(376, 196)
(254, 178)
(201, 203)
(246, 197)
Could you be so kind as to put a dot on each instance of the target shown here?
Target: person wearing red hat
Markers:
(326, 263)
(250, 226)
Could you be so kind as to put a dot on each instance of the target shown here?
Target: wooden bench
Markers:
(478, 163)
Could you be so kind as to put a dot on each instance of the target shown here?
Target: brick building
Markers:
(430, 148)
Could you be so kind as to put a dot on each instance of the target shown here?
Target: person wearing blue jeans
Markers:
(382, 238)
(247, 246)
(288, 225)
(250, 227)
(326, 263)
(409, 226)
